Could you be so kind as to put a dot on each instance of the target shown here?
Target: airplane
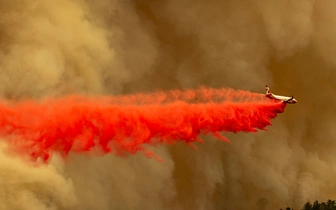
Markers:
(285, 99)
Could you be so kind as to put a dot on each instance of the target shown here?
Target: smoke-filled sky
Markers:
(54, 48)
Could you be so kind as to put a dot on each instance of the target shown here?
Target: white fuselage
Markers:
(285, 99)
(282, 98)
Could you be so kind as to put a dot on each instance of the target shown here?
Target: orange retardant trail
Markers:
(125, 124)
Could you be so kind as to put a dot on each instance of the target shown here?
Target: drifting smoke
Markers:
(55, 48)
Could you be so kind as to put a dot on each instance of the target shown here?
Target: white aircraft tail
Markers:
(268, 91)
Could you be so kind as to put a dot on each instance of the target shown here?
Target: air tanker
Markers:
(285, 99)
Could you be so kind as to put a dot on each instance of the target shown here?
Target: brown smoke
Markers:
(51, 48)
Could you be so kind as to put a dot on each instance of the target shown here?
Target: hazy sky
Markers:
(53, 48)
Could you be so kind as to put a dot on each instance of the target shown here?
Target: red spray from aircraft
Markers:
(125, 124)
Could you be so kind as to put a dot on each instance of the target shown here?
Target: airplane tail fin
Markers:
(268, 91)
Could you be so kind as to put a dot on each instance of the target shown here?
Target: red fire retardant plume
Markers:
(124, 124)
